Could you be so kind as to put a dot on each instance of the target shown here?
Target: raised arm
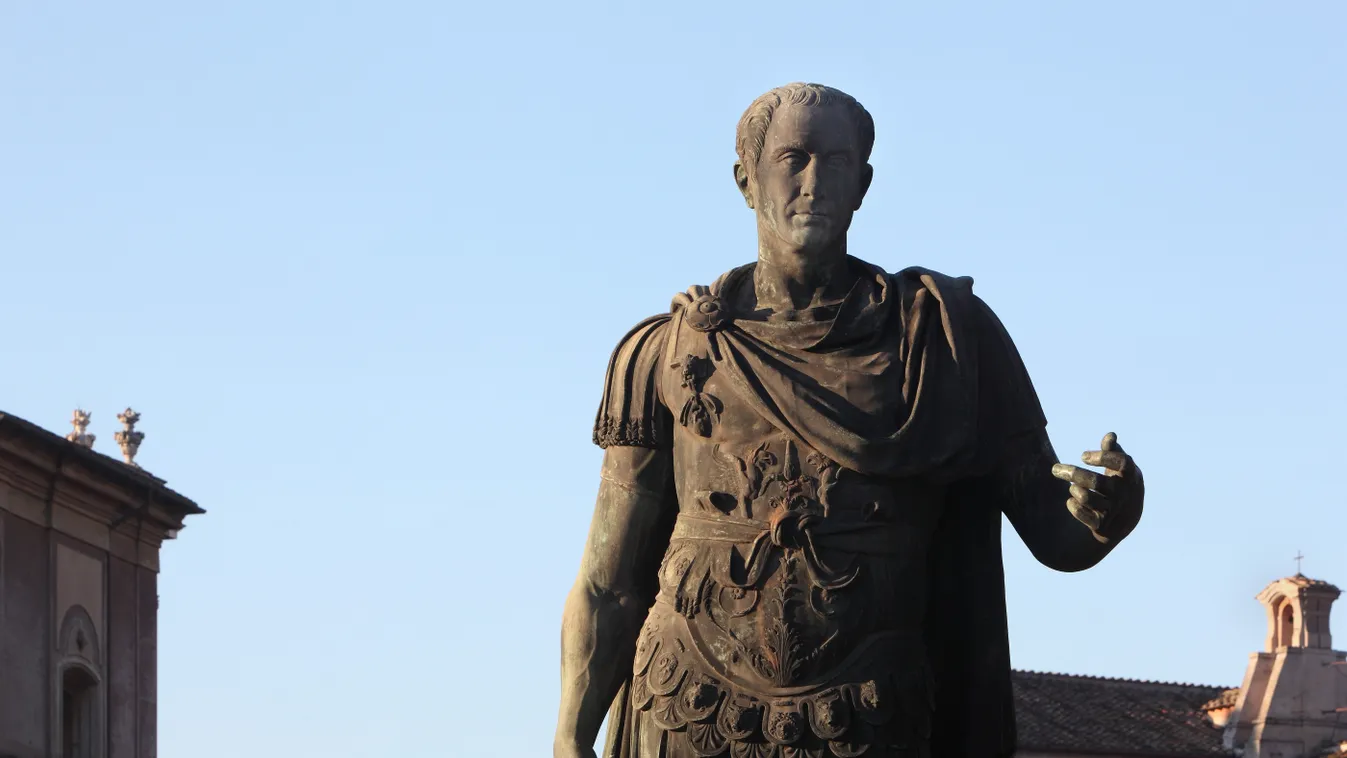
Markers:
(618, 579)
(1069, 517)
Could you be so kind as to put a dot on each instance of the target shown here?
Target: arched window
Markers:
(79, 680)
(1286, 624)
(79, 713)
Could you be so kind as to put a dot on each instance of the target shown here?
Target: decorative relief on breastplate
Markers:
(701, 410)
(799, 491)
(796, 510)
(772, 638)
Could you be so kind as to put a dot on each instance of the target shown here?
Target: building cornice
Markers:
(86, 495)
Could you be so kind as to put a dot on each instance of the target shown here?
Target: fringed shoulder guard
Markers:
(632, 412)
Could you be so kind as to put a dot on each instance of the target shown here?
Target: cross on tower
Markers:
(1299, 557)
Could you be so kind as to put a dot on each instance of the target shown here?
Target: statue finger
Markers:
(1085, 514)
(1086, 497)
(1110, 443)
(1111, 460)
(1063, 471)
(1084, 477)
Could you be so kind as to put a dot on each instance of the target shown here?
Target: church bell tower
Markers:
(1294, 695)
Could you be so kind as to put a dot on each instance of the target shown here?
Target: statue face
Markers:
(810, 178)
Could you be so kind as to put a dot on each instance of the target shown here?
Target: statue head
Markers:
(803, 167)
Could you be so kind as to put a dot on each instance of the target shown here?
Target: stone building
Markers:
(80, 534)
(1291, 704)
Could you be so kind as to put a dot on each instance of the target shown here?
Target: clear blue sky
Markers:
(361, 265)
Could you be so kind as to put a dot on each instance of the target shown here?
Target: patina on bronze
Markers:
(796, 547)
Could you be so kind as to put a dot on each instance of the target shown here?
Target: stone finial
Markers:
(129, 439)
(81, 434)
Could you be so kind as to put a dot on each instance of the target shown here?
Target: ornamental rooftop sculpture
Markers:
(129, 439)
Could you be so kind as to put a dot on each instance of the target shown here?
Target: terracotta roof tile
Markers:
(1226, 699)
(1061, 712)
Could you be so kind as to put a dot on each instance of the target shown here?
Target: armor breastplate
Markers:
(792, 592)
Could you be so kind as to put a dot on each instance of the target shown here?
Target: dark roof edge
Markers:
(114, 468)
(1117, 680)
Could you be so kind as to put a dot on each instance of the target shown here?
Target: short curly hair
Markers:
(752, 131)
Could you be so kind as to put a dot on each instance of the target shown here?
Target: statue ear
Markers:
(741, 180)
(867, 176)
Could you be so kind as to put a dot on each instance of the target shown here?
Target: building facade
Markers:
(80, 534)
(1292, 702)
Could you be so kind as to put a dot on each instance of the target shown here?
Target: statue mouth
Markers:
(811, 220)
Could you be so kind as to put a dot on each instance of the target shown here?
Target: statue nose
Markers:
(809, 180)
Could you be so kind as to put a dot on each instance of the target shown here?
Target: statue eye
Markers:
(794, 159)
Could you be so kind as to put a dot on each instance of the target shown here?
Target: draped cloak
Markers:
(911, 375)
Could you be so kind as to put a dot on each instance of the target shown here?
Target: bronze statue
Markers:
(796, 546)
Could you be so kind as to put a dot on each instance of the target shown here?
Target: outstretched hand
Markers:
(1109, 503)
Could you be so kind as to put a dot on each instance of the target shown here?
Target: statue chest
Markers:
(730, 460)
(774, 538)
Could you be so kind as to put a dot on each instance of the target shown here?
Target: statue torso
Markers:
(792, 593)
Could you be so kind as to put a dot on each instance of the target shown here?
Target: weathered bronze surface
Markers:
(796, 546)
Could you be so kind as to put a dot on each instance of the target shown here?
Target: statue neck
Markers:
(794, 280)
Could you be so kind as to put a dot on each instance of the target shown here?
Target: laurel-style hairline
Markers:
(751, 133)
